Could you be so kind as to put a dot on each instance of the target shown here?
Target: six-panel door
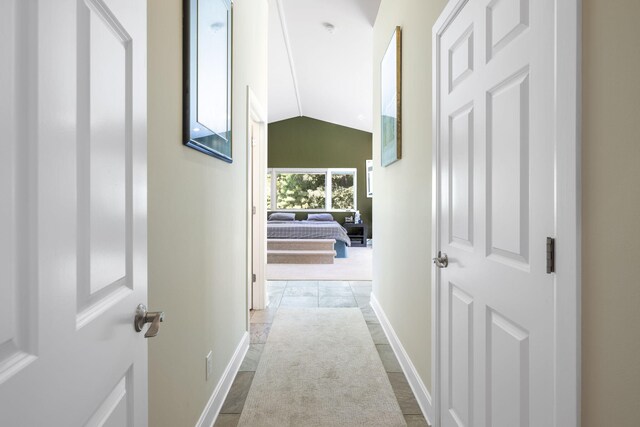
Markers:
(72, 212)
(496, 112)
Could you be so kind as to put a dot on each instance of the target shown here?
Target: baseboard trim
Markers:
(419, 390)
(211, 411)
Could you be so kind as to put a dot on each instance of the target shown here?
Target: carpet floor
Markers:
(320, 367)
(358, 266)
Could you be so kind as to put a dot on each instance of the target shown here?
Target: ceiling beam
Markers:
(285, 35)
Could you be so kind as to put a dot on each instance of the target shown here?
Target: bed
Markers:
(311, 230)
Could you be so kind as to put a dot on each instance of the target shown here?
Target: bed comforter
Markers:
(307, 230)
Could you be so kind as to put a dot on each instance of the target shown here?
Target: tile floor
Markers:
(317, 294)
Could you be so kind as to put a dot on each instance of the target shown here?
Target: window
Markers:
(311, 189)
(301, 190)
(342, 191)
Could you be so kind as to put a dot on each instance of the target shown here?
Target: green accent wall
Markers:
(303, 142)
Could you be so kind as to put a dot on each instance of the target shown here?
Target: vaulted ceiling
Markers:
(320, 60)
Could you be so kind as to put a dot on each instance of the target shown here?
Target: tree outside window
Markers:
(311, 189)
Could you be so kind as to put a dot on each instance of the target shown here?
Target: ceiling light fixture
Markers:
(329, 27)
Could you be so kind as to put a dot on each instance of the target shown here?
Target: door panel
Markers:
(104, 159)
(73, 189)
(507, 372)
(496, 160)
(18, 325)
(460, 375)
(506, 19)
(461, 177)
(507, 169)
(461, 59)
(107, 148)
(115, 409)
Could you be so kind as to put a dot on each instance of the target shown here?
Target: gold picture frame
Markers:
(391, 101)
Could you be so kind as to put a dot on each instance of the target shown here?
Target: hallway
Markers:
(137, 137)
(310, 295)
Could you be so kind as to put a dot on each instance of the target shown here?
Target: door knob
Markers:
(441, 261)
(143, 316)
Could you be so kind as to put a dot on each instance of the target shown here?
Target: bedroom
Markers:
(317, 178)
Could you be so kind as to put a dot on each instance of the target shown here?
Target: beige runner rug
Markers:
(320, 368)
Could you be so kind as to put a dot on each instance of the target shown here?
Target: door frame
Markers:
(255, 113)
(567, 208)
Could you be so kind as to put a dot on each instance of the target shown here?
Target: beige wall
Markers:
(611, 214)
(402, 201)
(197, 262)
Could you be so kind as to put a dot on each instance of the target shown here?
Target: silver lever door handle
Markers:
(441, 261)
(143, 317)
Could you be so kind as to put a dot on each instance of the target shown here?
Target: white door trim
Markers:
(255, 113)
(568, 210)
(567, 204)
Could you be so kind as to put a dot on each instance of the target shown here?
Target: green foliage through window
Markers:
(300, 191)
(342, 191)
(307, 189)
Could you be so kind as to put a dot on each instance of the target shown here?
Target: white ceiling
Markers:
(318, 74)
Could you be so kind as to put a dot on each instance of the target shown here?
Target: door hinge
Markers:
(253, 278)
(254, 210)
(551, 255)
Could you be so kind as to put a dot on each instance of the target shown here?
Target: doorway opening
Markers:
(256, 233)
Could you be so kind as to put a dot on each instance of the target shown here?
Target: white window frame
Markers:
(329, 172)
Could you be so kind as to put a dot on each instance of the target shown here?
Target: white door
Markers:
(496, 117)
(73, 257)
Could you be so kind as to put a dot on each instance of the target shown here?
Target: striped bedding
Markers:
(307, 230)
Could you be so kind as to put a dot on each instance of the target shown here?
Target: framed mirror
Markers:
(207, 77)
(391, 100)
